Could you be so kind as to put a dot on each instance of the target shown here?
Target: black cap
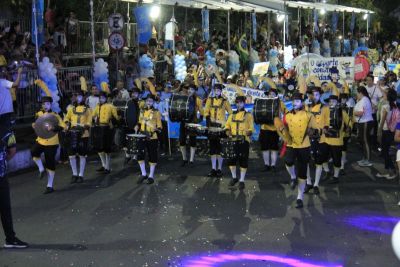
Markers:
(219, 86)
(343, 96)
(297, 96)
(240, 98)
(333, 97)
(47, 99)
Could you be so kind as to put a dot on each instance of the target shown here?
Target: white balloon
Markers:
(396, 240)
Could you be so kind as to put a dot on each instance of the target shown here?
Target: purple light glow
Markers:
(217, 260)
(379, 224)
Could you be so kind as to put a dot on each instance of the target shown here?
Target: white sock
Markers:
(108, 161)
(127, 155)
(336, 171)
(233, 171)
(142, 165)
(343, 161)
(325, 165)
(183, 151)
(152, 169)
(291, 172)
(72, 162)
(242, 174)
(214, 162)
(39, 163)
(103, 159)
(318, 172)
(266, 157)
(50, 178)
(309, 181)
(220, 161)
(274, 157)
(300, 189)
(82, 164)
(192, 152)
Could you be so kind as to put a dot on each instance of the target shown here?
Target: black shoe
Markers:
(316, 190)
(212, 173)
(150, 180)
(127, 159)
(308, 188)
(293, 183)
(142, 179)
(273, 169)
(102, 169)
(48, 190)
(80, 179)
(233, 182)
(74, 179)
(107, 171)
(334, 180)
(326, 176)
(15, 243)
(342, 172)
(184, 163)
(42, 175)
(191, 163)
(241, 185)
(299, 204)
(267, 168)
(219, 174)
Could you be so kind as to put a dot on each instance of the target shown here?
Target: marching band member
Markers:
(269, 140)
(189, 90)
(79, 118)
(299, 122)
(215, 113)
(240, 124)
(150, 125)
(347, 104)
(103, 115)
(47, 146)
(139, 106)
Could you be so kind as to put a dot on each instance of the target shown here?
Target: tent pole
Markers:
(92, 32)
(36, 31)
(343, 26)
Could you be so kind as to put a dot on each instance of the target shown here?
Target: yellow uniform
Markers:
(150, 122)
(239, 123)
(216, 109)
(298, 124)
(345, 123)
(104, 113)
(53, 140)
(80, 116)
(199, 107)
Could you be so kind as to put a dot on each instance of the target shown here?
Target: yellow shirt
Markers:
(105, 113)
(345, 123)
(240, 122)
(150, 121)
(298, 124)
(53, 140)
(217, 108)
(80, 116)
(317, 111)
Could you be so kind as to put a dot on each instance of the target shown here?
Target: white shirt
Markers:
(364, 105)
(375, 94)
(170, 29)
(6, 103)
(92, 102)
(386, 108)
(123, 94)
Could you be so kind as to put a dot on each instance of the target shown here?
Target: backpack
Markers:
(393, 119)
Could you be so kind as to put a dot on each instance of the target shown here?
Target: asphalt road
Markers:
(187, 219)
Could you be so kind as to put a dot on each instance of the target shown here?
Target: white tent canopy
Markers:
(327, 7)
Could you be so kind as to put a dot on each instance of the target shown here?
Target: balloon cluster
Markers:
(273, 61)
(146, 66)
(180, 67)
(234, 63)
(100, 74)
(210, 58)
(47, 73)
(346, 46)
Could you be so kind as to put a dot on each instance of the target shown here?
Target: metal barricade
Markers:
(160, 70)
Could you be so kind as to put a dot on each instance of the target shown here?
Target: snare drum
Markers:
(135, 143)
(230, 147)
(201, 130)
(73, 137)
(192, 128)
(215, 132)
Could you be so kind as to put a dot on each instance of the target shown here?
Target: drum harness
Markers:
(79, 115)
(238, 123)
(216, 107)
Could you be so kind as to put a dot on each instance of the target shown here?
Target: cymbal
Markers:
(41, 126)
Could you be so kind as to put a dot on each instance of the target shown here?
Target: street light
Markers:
(155, 12)
(322, 11)
(280, 17)
(365, 17)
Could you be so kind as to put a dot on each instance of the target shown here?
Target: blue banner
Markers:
(205, 23)
(334, 21)
(254, 25)
(144, 27)
(316, 29)
(352, 22)
(39, 6)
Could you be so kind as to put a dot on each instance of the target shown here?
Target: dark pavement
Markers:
(187, 219)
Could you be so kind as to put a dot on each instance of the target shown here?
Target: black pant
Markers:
(215, 146)
(151, 148)
(163, 137)
(300, 157)
(364, 133)
(5, 209)
(387, 140)
(269, 140)
(242, 155)
(327, 151)
(49, 155)
(374, 128)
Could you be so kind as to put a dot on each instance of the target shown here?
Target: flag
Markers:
(144, 27)
(205, 22)
(39, 6)
(334, 21)
(254, 25)
(316, 29)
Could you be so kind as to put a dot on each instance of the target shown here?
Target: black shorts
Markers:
(81, 148)
(151, 149)
(243, 155)
(269, 140)
(49, 154)
(183, 136)
(328, 151)
(215, 146)
(299, 157)
(102, 141)
(345, 142)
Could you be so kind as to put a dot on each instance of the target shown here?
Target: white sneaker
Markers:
(391, 176)
(398, 203)
(382, 175)
(366, 163)
(361, 161)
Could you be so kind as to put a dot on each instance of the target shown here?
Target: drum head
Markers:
(128, 110)
(181, 108)
(265, 110)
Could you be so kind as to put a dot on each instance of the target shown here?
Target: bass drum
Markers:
(181, 108)
(128, 112)
(265, 110)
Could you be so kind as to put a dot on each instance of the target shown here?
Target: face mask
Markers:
(240, 105)
(218, 93)
(332, 103)
(317, 96)
(46, 106)
(102, 100)
(79, 99)
(298, 104)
